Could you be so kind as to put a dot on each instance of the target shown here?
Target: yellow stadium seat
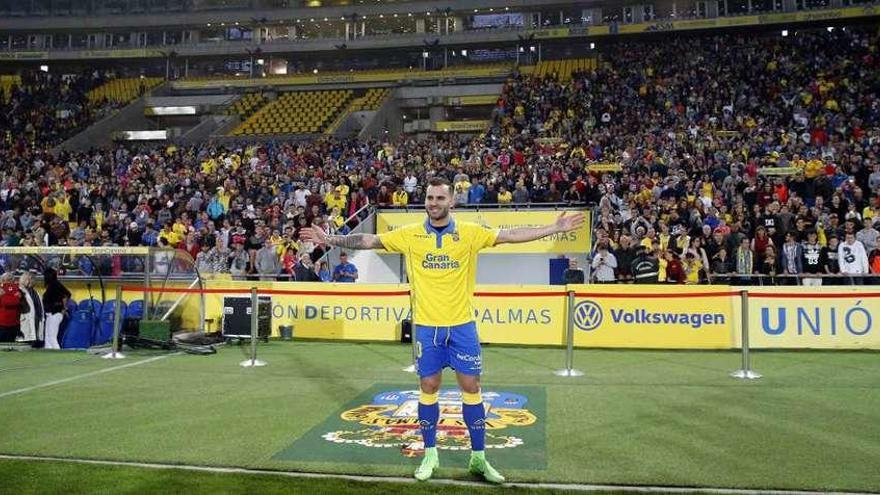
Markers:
(296, 112)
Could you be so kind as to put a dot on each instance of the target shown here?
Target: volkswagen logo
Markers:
(587, 316)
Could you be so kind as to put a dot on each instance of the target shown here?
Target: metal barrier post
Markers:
(117, 325)
(255, 310)
(746, 372)
(569, 350)
(148, 296)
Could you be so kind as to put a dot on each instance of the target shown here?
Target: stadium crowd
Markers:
(725, 154)
(45, 109)
(708, 158)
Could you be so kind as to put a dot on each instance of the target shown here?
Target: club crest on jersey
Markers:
(392, 420)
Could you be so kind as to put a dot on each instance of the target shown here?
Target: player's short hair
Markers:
(440, 181)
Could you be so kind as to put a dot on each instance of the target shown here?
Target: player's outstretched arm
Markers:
(564, 223)
(351, 241)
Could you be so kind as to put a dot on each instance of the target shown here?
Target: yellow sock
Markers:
(472, 399)
(428, 399)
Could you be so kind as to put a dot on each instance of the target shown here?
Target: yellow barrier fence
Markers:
(643, 316)
(603, 316)
(804, 317)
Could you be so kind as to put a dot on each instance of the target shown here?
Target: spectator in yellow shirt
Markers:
(223, 197)
(62, 207)
(400, 197)
(334, 199)
(278, 243)
(335, 218)
(179, 228)
(869, 211)
(168, 233)
(48, 205)
(504, 196)
(692, 267)
(208, 166)
(814, 168)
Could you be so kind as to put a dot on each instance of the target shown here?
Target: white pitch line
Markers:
(450, 482)
(84, 375)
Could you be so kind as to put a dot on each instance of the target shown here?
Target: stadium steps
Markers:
(209, 127)
(247, 105)
(369, 102)
(298, 112)
(102, 132)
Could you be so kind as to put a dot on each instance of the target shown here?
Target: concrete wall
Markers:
(406, 93)
(190, 100)
(388, 117)
(354, 122)
(130, 118)
(209, 125)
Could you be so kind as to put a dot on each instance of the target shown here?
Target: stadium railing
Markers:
(791, 279)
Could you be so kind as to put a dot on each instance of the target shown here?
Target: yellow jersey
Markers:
(63, 209)
(400, 198)
(171, 236)
(442, 268)
(331, 201)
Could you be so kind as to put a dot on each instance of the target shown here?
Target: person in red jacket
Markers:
(674, 269)
(11, 301)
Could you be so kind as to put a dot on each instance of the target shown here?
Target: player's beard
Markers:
(439, 213)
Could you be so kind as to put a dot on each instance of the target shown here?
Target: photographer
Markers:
(604, 265)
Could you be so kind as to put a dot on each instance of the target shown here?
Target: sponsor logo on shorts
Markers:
(475, 360)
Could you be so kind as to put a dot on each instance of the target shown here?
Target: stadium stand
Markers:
(711, 155)
(372, 100)
(686, 145)
(245, 106)
(300, 112)
(728, 142)
(561, 70)
(122, 90)
(44, 108)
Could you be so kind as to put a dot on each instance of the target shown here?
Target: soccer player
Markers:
(441, 260)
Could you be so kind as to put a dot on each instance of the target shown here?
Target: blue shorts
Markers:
(456, 347)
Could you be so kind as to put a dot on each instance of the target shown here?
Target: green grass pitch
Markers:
(637, 418)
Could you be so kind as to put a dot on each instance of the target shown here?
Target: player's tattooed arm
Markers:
(564, 223)
(524, 234)
(355, 241)
(350, 241)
